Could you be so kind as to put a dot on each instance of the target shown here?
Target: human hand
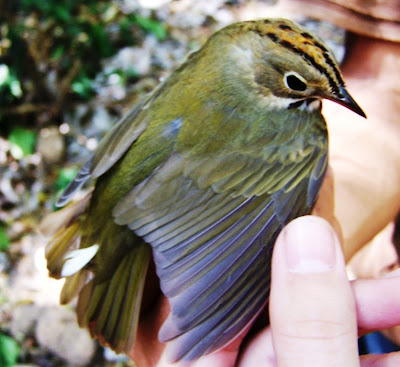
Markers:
(316, 313)
(364, 154)
(361, 193)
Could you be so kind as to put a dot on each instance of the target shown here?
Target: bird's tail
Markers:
(109, 306)
(62, 231)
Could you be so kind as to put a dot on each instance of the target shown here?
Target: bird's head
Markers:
(288, 65)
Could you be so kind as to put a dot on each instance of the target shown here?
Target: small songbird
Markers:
(200, 176)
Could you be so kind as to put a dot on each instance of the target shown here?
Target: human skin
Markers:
(365, 154)
(365, 160)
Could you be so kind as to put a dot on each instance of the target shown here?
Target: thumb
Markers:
(312, 310)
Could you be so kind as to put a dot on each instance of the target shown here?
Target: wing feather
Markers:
(212, 220)
(219, 330)
(119, 139)
(227, 278)
(110, 150)
(74, 186)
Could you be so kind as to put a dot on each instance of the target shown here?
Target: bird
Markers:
(200, 177)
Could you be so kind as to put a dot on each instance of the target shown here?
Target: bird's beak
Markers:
(347, 100)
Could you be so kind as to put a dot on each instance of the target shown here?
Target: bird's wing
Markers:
(212, 240)
(115, 143)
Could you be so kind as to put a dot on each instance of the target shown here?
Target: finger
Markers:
(377, 258)
(377, 303)
(381, 360)
(259, 352)
(325, 205)
(313, 317)
(366, 198)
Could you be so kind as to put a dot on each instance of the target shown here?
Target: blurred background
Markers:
(68, 70)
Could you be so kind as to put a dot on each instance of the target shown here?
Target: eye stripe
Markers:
(273, 37)
(307, 35)
(320, 46)
(330, 62)
(330, 70)
(312, 61)
(285, 27)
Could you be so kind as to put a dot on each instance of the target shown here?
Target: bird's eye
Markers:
(295, 82)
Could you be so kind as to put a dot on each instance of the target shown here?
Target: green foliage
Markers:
(83, 86)
(65, 176)
(77, 30)
(22, 142)
(152, 26)
(146, 24)
(59, 10)
(9, 83)
(4, 240)
(9, 351)
(70, 39)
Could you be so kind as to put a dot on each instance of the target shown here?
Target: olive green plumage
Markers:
(202, 175)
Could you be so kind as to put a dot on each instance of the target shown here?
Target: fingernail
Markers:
(310, 245)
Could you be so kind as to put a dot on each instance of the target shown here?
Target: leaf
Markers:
(4, 239)
(22, 142)
(152, 26)
(62, 13)
(4, 74)
(83, 86)
(9, 81)
(9, 351)
(100, 40)
(58, 52)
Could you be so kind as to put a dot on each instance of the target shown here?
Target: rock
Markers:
(58, 331)
(4, 262)
(24, 318)
(136, 58)
(30, 281)
(50, 144)
(152, 4)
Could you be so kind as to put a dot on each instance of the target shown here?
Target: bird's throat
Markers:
(309, 104)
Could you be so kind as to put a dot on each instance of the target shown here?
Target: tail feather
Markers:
(107, 272)
(125, 336)
(63, 229)
(65, 240)
(76, 260)
(114, 300)
(85, 299)
(111, 308)
(73, 286)
(63, 218)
